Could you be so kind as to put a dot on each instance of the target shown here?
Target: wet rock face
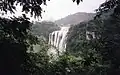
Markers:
(58, 39)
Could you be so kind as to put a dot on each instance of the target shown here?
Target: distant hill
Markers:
(75, 18)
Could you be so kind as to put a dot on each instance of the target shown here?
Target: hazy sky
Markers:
(57, 9)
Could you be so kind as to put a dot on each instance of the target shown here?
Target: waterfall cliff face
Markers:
(57, 40)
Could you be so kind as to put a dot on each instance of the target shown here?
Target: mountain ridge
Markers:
(75, 18)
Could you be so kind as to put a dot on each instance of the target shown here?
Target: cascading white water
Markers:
(57, 40)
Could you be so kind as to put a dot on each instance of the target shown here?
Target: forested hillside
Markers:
(44, 28)
(102, 48)
(92, 48)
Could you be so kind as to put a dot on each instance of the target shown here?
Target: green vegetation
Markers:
(104, 48)
(15, 39)
(97, 56)
(44, 28)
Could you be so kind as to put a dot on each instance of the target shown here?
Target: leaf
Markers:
(78, 1)
(73, 0)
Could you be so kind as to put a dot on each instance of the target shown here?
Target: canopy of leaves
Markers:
(77, 1)
(108, 6)
(15, 40)
(32, 6)
(105, 45)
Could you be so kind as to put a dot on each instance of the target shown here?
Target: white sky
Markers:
(57, 9)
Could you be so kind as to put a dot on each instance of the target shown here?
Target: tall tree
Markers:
(15, 40)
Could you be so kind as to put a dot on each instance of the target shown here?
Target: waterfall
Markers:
(57, 40)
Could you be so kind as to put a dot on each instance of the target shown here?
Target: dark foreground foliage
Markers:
(32, 6)
(15, 40)
(96, 56)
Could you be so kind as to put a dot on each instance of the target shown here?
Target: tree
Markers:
(84, 49)
(108, 6)
(15, 40)
(110, 35)
(15, 37)
(37, 62)
(110, 43)
(32, 6)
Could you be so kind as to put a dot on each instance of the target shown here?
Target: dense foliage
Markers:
(15, 40)
(108, 6)
(105, 45)
(98, 55)
(44, 29)
(32, 6)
